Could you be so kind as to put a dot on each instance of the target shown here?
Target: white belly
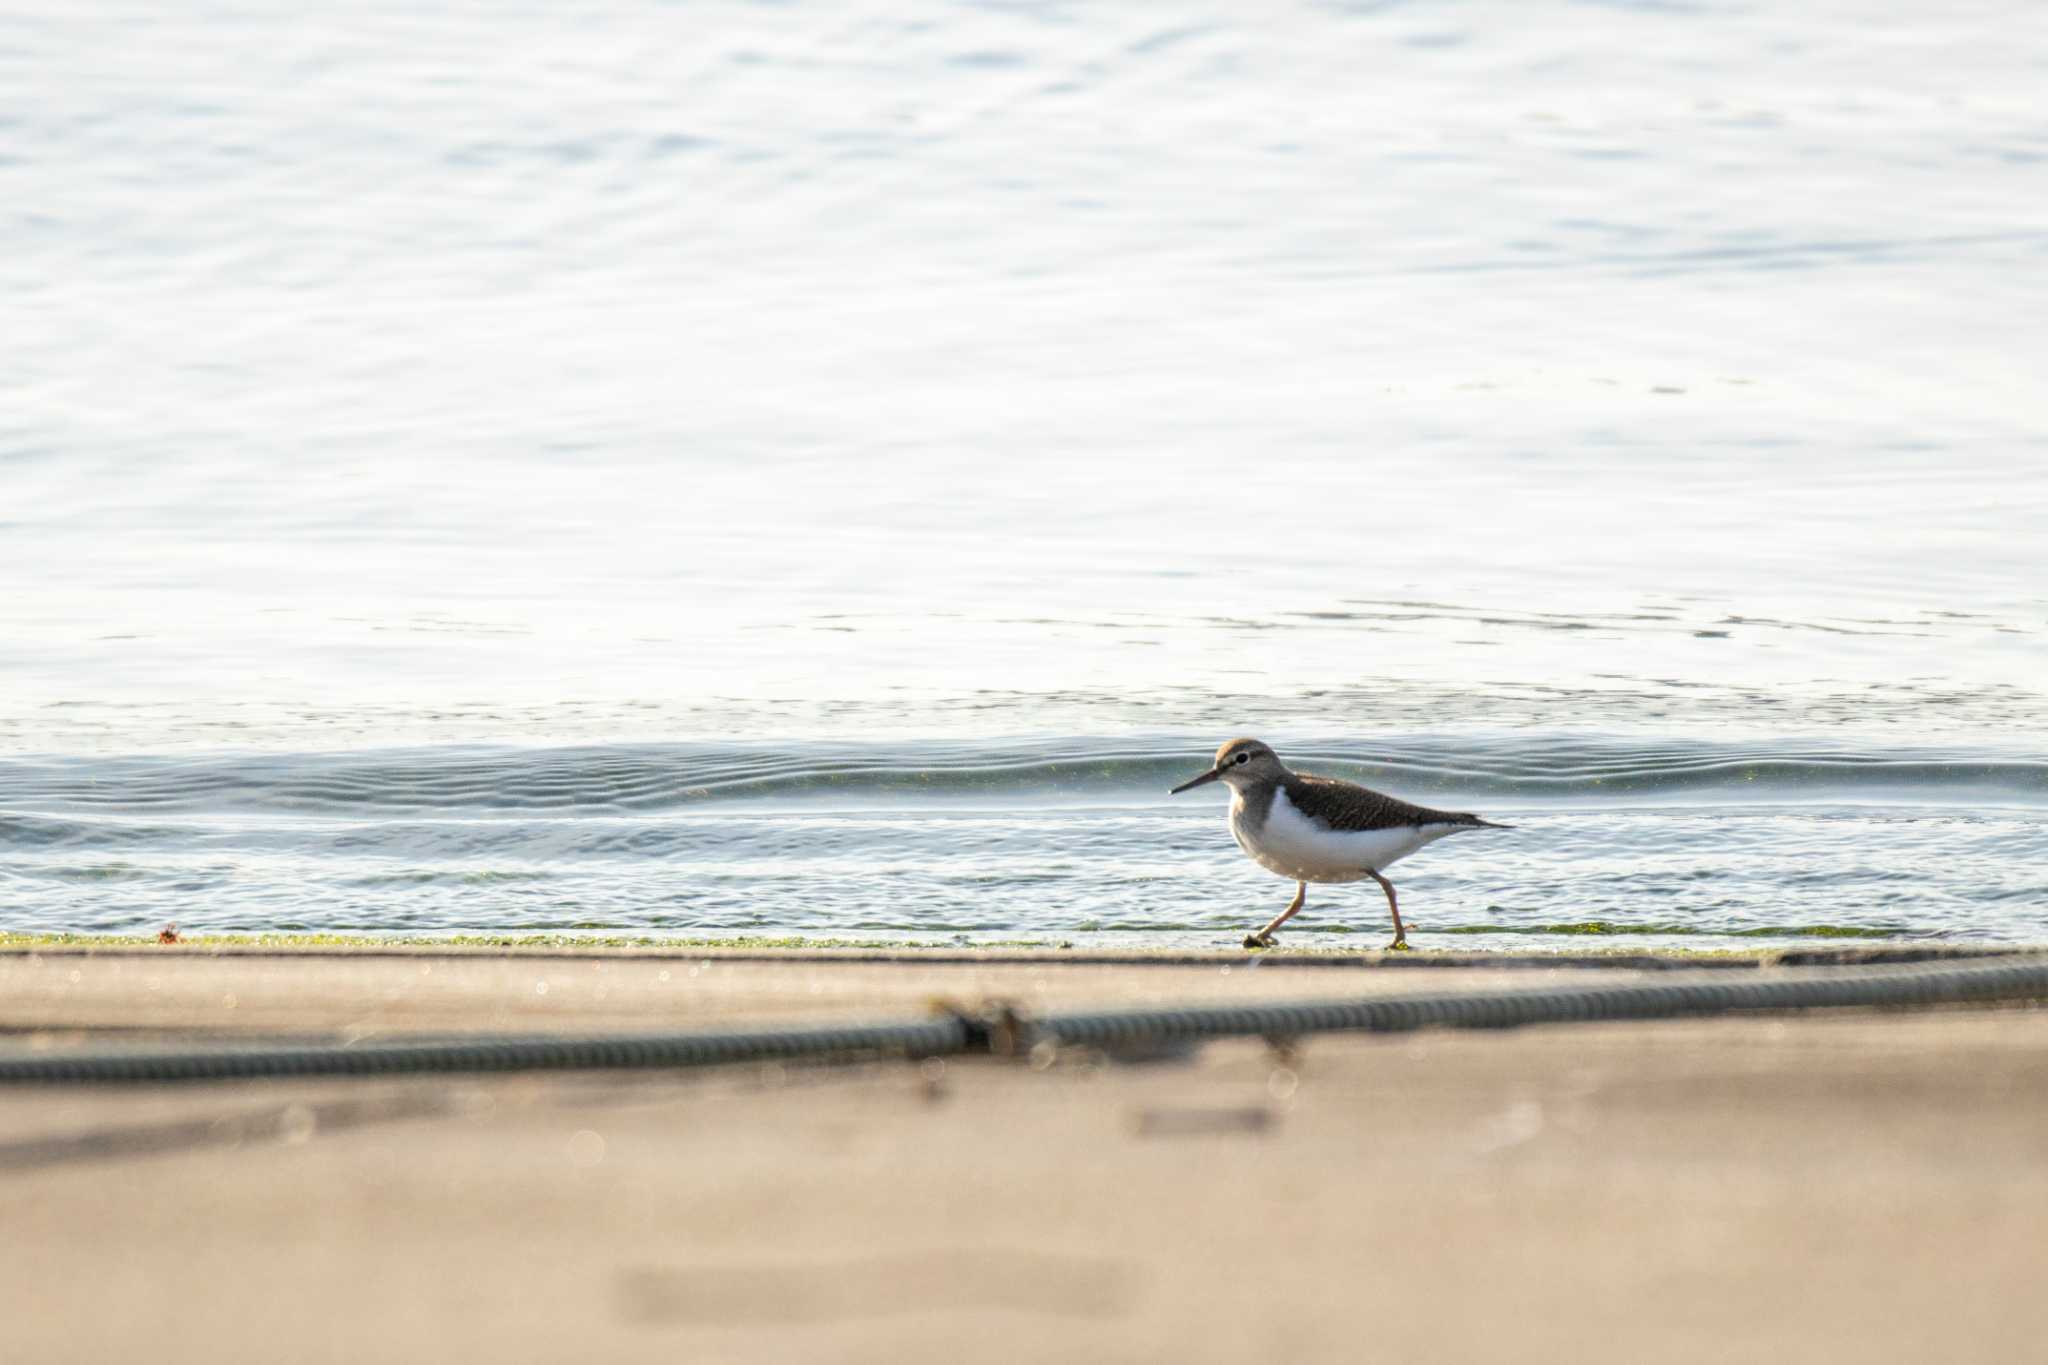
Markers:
(1292, 845)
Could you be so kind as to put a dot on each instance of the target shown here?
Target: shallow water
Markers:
(733, 470)
(1052, 841)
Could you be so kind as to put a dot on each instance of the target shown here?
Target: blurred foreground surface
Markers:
(1864, 1186)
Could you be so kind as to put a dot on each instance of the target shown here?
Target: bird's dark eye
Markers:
(1244, 758)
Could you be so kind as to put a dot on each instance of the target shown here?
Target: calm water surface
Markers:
(732, 469)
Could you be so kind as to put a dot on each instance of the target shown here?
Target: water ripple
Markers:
(652, 778)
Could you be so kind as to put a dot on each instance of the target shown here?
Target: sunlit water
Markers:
(712, 470)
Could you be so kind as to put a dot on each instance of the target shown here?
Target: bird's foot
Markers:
(1399, 945)
(1259, 940)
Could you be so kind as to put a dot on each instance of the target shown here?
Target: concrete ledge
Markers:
(1863, 1188)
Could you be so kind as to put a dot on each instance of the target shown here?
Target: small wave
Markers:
(54, 800)
(55, 832)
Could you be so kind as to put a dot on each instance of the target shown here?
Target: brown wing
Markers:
(1348, 806)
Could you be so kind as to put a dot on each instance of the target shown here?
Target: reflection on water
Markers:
(819, 469)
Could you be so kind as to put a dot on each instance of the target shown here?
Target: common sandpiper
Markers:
(1318, 829)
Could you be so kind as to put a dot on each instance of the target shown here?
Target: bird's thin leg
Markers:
(1400, 934)
(1264, 938)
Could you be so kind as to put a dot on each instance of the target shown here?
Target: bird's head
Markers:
(1240, 763)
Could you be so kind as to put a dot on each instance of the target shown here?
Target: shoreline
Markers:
(800, 948)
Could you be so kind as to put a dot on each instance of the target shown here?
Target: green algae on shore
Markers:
(23, 939)
(1601, 927)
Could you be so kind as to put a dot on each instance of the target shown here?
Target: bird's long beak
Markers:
(1209, 776)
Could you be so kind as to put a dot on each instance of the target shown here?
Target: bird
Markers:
(1319, 829)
